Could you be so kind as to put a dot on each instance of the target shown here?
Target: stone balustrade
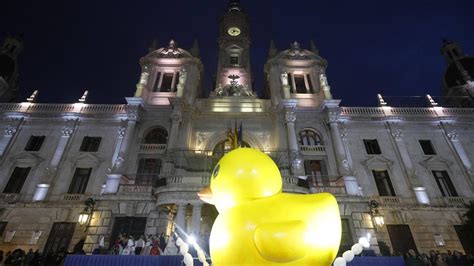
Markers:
(313, 149)
(153, 148)
(368, 113)
(73, 197)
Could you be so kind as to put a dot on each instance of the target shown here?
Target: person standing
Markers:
(139, 245)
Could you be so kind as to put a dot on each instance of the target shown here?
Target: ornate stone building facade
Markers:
(144, 161)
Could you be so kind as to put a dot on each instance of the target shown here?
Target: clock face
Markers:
(233, 31)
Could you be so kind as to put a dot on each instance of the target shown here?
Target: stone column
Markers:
(323, 81)
(125, 136)
(344, 167)
(196, 220)
(181, 82)
(9, 133)
(180, 216)
(176, 119)
(285, 86)
(290, 118)
(416, 185)
(458, 147)
(142, 83)
(66, 134)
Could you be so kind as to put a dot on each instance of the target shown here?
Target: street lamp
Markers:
(374, 212)
(86, 215)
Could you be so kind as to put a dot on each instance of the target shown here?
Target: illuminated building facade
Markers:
(144, 161)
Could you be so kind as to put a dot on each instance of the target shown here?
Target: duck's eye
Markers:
(216, 171)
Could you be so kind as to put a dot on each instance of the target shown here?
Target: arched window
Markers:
(156, 136)
(309, 137)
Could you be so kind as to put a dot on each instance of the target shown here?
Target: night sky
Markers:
(388, 47)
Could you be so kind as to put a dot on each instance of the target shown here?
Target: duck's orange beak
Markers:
(206, 195)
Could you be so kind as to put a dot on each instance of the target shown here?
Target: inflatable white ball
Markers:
(339, 262)
(348, 255)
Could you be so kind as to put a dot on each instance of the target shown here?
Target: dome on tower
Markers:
(453, 77)
(7, 66)
(297, 53)
(172, 51)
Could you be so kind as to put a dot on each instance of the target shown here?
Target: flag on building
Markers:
(239, 135)
(236, 137)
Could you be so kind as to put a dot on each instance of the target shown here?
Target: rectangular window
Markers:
(156, 85)
(17, 179)
(300, 84)
(79, 181)
(167, 82)
(148, 171)
(384, 185)
(372, 146)
(234, 60)
(427, 147)
(90, 144)
(444, 184)
(316, 172)
(34, 143)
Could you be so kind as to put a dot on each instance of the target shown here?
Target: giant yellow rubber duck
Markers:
(259, 225)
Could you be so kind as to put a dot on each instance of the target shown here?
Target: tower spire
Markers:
(273, 50)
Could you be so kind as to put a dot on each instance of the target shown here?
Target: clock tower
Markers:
(233, 76)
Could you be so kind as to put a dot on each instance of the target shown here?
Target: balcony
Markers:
(313, 149)
(316, 184)
(73, 197)
(152, 148)
(458, 202)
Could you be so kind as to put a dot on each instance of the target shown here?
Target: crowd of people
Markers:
(436, 258)
(19, 257)
(151, 245)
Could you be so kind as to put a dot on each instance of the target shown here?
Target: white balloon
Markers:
(184, 249)
(201, 255)
(348, 255)
(339, 262)
(205, 264)
(364, 242)
(179, 242)
(357, 249)
(188, 259)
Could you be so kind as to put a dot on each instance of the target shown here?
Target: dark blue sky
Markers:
(388, 47)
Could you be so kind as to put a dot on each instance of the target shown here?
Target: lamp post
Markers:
(85, 216)
(374, 213)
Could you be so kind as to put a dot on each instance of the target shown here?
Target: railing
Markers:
(335, 190)
(428, 112)
(135, 189)
(389, 200)
(73, 197)
(9, 197)
(313, 148)
(62, 108)
(454, 201)
(155, 148)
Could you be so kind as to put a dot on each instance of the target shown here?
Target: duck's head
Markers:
(241, 175)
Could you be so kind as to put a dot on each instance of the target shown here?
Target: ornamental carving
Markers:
(333, 117)
(284, 79)
(296, 52)
(202, 139)
(132, 113)
(452, 135)
(290, 116)
(121, 132)
(397, 134)
(67, 131)
(9, 131)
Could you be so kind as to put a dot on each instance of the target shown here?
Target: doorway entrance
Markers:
(59, 237)
(134, 226)
(401, 238)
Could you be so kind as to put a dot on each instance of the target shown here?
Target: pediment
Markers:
(377, 160)
(86, 159)
(435, 160)
(27, 159)
(234, 47)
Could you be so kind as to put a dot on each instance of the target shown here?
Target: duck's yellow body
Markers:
(259, 225)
